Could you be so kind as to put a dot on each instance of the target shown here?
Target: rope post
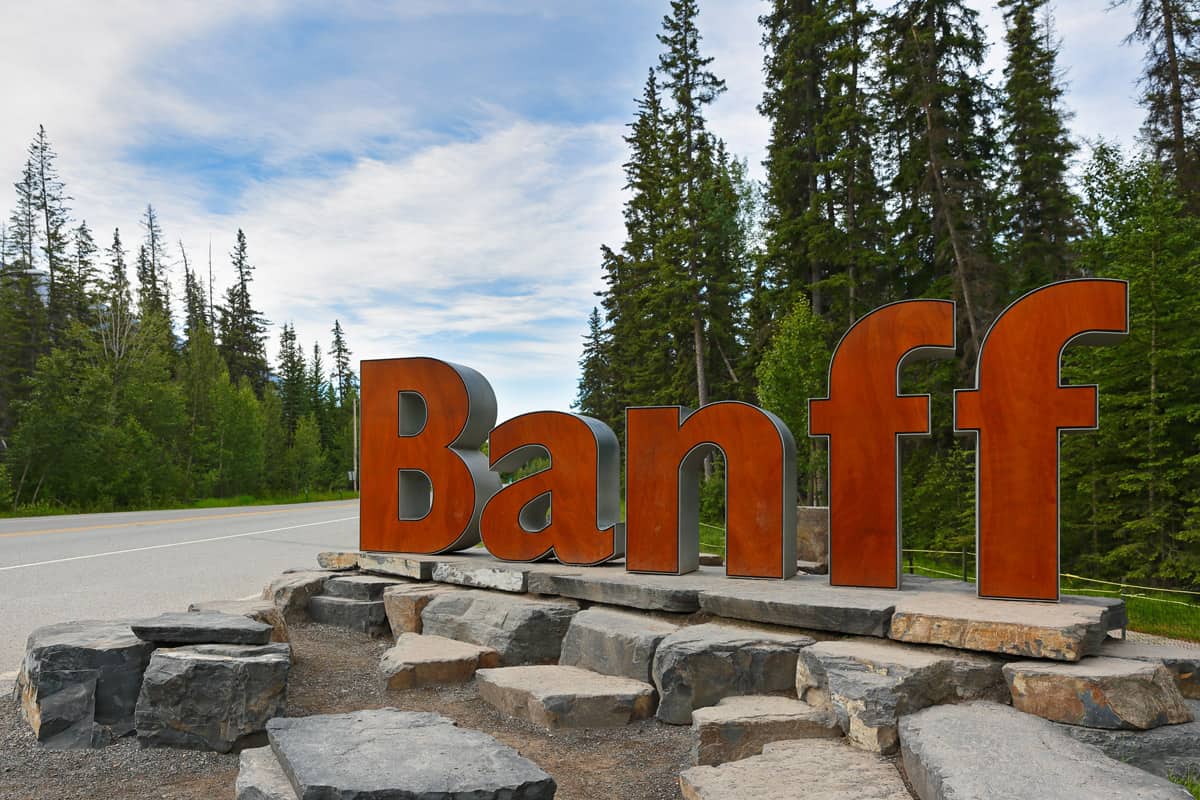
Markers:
(964, 564)
(911, 569)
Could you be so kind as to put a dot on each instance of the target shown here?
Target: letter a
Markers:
(424, 480)
(863, 418)
(570, 508)
(1017, 410)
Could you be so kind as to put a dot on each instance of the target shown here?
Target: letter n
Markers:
(863, 418)
(570, 508)
(1017, 410)
(424, 479)
(665, 450)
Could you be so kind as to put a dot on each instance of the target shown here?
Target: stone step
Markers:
(211, 696)
(738, 727)
(614, 642)
(522, 629)
(355, 755)
(948, 613)
(1098, 693)
(338, 560)
(364, 616)
(79, 682)
(804, 601)
(699, 665)
(566, 697)
(421, 660)
(1183, 660)
(614, 587)
(207, 627)
(259, 610)
(868, 684)
(404, 602)
(261, 778)
(1166, 751)
(359, 587)
(815, 769)
(980, 751)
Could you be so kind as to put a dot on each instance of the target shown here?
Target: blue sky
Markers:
(438, 174)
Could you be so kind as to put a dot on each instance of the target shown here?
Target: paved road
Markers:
(142, 563)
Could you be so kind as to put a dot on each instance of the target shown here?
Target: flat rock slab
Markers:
(337, 560)
(1098, 693)
(1183, 661)
(420, 660)
(202, 627)
(1065, 631)
(815, 769)
(291, 591)
(738, 727)
(504, 578)
(804, 601)
(868, 684)
(212, 696)
(614, 642)
(414, 567)
(261, 778)
(614, 587)
(404, 602)
(354, 757)
(699, 665)
(522, 629)
(981, 751)
(1166, 751)
(79, 682)
(259, 610)
(364, 616)
(359, 587)
(566, 697)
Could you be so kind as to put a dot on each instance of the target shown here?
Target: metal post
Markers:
(964, 564)
(354, 436)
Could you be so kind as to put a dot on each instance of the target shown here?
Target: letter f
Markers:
(863, 418)
(1017, 409)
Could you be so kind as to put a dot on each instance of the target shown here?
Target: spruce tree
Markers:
(242, 327)
(593, 397)
(343, 373)
(80, 280)
(1170, 30)
(1039, 205)
(50, 199)
(294, 389)
(22, 312)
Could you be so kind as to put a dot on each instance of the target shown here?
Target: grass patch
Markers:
(48, 509)
(1191, 782)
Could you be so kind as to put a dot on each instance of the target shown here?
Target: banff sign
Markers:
(428, 488)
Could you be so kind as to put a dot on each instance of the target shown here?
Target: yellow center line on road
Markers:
(149, 522)
(173, 544)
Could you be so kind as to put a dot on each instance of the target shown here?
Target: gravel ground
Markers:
(336, 671)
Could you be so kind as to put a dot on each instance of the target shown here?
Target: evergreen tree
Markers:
(1170, 30)
(293, 381)
(343, 373)
(825, 212)
(22, 312)
(1040, 206)
(80, 277)
(943, 150)
(154, 290)
(50, 199)
(242, 327)
(593, 397)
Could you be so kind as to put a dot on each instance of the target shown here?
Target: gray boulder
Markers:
(614, 642)
(981, 751)
(79, 682)
(1183, 660)
(202, 627)
(698, 665)
(257, 609)
(291, 592)
(522, 629)
(261, 778)
(555, 696)
(212, 697)
(364, 616)
(738, 727)
(354, 756)
(1166, 751)
(869, 684)
(1098, 693)
(360, 587)
(404, 603)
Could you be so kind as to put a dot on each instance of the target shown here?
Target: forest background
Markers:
(897, 167)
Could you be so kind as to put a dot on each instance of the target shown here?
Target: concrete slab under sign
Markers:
(925, 611)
